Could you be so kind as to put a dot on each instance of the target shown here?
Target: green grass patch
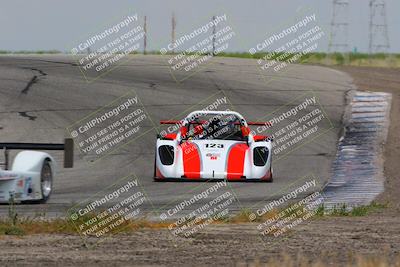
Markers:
(329, 59)
(320, 58)
(15, 225)
(344, 210)
(25, 52)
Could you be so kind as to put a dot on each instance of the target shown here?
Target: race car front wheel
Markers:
(271, 177)
(46, 180)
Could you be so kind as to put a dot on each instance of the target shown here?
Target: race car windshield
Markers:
(216, 127)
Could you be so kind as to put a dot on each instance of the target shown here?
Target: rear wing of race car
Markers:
(259, 123)
(250, 123)
(171, 122)
(245, 130)
(68, 148)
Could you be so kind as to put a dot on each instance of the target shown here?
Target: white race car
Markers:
(213, 145)
(30, 178)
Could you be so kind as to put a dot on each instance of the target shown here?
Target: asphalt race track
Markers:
(41, 95)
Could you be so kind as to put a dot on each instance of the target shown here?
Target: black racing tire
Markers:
(46, 181)
(46, 174)
(154, 173)
(155, 179)
(271, 180)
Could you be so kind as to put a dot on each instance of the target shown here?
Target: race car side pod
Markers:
(68, 148)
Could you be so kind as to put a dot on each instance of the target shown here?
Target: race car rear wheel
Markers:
(155, 164)
(46, 180)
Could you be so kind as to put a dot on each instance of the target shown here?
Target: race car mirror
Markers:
(245, 131)
(183, 131)
(198, 130)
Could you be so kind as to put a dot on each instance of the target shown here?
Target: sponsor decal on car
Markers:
(8, 176)
(28, 186)
(213, 156)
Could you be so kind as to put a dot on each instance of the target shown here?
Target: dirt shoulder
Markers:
(333, 240)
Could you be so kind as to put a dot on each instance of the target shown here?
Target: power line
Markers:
(338, 41)
(378, 32)
(145, 35)
(173, 25)
(213, 36)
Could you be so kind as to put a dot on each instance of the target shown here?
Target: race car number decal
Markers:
(214, 145)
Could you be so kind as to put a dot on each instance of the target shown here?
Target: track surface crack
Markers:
(33, 80)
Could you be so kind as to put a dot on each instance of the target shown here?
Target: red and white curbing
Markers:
(357, 172)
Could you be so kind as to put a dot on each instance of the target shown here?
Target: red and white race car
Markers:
(213, 145)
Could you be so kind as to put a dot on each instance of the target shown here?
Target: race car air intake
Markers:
(260, 155)
(166, 154)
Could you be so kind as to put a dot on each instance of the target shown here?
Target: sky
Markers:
(61, 25)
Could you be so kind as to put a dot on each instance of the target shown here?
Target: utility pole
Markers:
(145, 35)
(378, 32)
(173, 24)
(338, 41)
(213, 37)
